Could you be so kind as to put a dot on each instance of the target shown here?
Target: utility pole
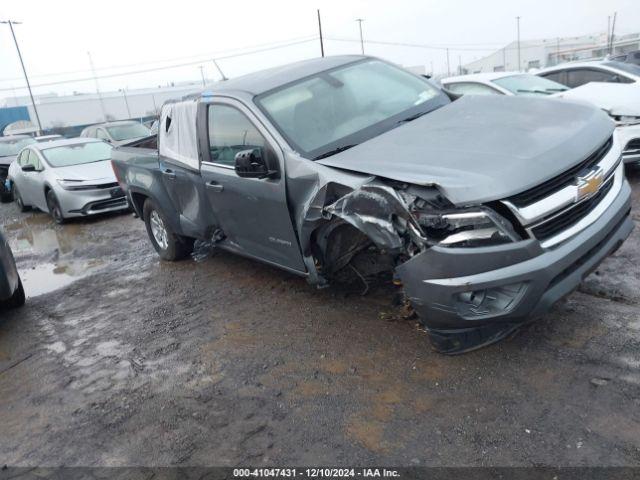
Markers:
(448, 67)
(504, 60)
(219, 70)
(360, 20)
(95, 78)
(518, 25)
(557, 50)
(613, 34)
(204, 82)
(459, 64)
(431, 62)
(11, 23)
(608, 32)
(126, 102)
(320, 30)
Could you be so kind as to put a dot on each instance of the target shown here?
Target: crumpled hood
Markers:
(483, 148)
(615, 98)
(98, 171)
(6, 161)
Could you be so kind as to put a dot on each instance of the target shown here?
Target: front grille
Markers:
(633, 145)
(570, 216)
(559, 182)
(106, 204)
(102, 186)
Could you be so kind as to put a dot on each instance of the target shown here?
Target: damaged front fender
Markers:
(382, 215)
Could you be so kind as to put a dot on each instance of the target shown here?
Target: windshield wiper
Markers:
(334, 151)
(411, 118)
(543, 92)
(556, 89)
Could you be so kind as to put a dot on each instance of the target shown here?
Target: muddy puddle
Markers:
(36, 237)
(49, 277)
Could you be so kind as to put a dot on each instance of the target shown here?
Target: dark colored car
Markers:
(486, 209)
(629, 57)
(11, 289)
(9, 149)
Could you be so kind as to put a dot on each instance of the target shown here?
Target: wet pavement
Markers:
(120, 359)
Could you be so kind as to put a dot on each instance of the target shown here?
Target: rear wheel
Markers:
(54, 208)
(18, 298)
(18, 199)
(169, 245)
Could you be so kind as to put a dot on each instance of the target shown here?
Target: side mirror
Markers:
(29, 168)
(252, 164)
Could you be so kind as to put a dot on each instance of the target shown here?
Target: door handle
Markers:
(169, 173)
(214, 186)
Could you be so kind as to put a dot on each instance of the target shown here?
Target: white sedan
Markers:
(620, 100)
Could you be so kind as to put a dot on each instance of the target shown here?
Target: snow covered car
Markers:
(11, 289)
(620, 100)
(487, 210)
(67, 178)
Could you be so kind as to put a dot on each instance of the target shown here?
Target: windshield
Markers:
(77, 154)
(529, 85)
(336, 109)
(625, 67)
(125, 132)
(12, 146)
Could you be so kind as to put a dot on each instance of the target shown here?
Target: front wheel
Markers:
(54, 208)
(169, 245)
(18, 298)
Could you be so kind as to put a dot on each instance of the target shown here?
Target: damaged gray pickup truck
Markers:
(486, 209)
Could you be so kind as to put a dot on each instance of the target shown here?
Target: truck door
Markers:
(252, 213)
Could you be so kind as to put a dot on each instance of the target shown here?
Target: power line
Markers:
(167, 67)
(431, 47)
(173, 59)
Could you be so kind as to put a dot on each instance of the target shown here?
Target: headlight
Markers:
(70, 184)
(466, 228)
(623, 120)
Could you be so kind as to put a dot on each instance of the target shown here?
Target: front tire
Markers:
(169, 245)
(54, 208)
(18, 298)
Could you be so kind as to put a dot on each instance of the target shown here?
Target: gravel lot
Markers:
(120, 359)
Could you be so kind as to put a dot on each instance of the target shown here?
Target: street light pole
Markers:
(518, 24)
(360, 20)
(320, 31)
(204, 82)
(11, 23)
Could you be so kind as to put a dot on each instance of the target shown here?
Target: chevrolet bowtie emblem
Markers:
(589, 183)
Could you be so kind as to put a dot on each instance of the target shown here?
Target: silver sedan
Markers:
(67, 178)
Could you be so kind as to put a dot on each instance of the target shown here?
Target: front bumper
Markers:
(629, 136)
(81, 203)
(439, 280)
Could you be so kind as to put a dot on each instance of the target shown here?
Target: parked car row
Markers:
(65, 177)
(612, 86)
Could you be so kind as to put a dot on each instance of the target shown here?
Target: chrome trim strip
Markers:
(220, 165)
(565, 197)
(600, 208)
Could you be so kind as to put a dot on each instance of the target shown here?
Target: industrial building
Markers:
(551, 51)
(69, 114)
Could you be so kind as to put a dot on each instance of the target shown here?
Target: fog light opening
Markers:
(489, 302)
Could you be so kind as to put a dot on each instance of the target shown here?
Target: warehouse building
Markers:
(551, 51)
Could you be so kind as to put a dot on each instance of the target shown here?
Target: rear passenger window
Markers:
(559, 77)
(230, 132)
(577, 78)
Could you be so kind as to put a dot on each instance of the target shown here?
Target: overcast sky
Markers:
(142, 35)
